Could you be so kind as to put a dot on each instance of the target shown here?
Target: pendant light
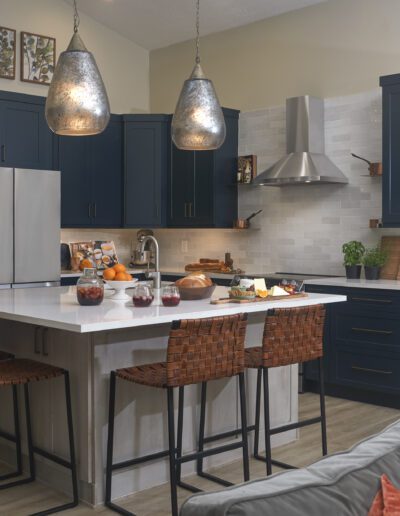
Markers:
(77, 102)
(198, 122)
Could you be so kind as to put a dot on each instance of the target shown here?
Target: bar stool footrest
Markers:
(20, 482)
(215, 479)
(120, 510)
(278, 463)
(139, 460)
(58, 508)
(188, 487)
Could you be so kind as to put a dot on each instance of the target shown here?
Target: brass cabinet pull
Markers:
(372, 300)
(367, 370)
(370, 330)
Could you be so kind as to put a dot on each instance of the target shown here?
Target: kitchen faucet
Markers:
(155, 275)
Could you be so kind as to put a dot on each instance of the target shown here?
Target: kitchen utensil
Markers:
(245, 223)
(375, 169)
(196, 293)
(224, 300)
(120, 287)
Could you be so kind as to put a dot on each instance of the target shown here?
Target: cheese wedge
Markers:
(259, 284)
(278, 291)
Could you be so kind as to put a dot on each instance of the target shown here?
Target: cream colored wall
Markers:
(331, 49)
(123, 64)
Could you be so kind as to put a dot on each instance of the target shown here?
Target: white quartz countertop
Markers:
(356, 283)
(57, 307)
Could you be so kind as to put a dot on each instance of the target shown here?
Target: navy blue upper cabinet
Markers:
(25, 139)
(147, 162)
(202, 191)
(391, 150)
(92, 177)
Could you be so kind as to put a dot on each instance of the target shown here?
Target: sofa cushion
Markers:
(342, 484)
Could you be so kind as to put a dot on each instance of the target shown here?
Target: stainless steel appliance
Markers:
(305, 161)
(29, 227)
(142, 255)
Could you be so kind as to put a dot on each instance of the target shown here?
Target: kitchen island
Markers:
(47, 324)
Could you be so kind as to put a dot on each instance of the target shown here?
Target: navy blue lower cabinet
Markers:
(361, 346)
(147, 162)
(25, 139)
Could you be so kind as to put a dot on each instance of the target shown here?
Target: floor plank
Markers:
(348, 422)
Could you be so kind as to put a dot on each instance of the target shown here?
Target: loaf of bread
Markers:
(214, 266)
(209, 260)
(194, 280)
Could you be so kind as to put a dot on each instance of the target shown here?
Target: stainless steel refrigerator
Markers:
(29, 228)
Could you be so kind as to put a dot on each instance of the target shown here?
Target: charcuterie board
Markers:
(223, 300)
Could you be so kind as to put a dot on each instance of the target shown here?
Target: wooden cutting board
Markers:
(224, 300)
(391, 268)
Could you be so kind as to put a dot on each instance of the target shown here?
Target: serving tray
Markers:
(224, 300)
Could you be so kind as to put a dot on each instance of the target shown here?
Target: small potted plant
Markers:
(373, 260)
(353, 252)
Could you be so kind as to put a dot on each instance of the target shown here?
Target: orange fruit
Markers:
(86, 264)
(120, 276)
(128, 276)
(109, 274)
(118, 267)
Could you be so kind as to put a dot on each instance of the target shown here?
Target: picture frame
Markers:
(247, 168)
(38, 58)
(7, 53)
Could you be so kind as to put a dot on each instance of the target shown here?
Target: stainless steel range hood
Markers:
(305, 161)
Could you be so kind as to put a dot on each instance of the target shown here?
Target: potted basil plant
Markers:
(353, 252)
(373, 260)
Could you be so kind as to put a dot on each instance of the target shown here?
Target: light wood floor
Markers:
(348, 422)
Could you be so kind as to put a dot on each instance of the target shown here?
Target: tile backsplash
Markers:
(301, 228)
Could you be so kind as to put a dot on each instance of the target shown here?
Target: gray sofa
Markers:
(343, 484)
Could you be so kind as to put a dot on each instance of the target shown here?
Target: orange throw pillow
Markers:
(386, 501)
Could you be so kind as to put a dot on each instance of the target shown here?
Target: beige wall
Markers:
(123, 64)
(335, 48)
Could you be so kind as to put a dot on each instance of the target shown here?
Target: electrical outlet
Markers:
(184, 246)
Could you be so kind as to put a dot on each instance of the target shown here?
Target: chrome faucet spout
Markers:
(156, 275)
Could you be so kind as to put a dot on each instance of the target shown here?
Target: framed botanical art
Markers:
(38, 56)
(7, 53)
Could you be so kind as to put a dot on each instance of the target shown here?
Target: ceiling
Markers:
(158, 23)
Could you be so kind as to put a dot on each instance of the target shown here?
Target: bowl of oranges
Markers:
(118, 279)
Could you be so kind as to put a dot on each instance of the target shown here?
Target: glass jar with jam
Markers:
(90, 288)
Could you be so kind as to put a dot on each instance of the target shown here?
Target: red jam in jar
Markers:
(90, 288)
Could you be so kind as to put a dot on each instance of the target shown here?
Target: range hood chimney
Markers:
(305, 161)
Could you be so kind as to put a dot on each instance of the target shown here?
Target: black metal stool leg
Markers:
(172, 452)
(16, 438)
(243, 413)
(180, 432)
(267, 423)
(257, 415)
(322, 405)
(32, 472)
(200, 447)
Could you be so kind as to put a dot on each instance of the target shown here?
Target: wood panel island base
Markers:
(47, 324)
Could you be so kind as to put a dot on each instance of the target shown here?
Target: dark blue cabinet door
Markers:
(26, 140)
(181, 186)
(146, 169)
(202, 214)
(76, 181)
(105, 154)
(391, 156)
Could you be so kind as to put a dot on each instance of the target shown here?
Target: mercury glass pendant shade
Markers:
(77, 102)
(198, 122)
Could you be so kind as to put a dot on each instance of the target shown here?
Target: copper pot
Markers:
(375, 169)
(245, 223)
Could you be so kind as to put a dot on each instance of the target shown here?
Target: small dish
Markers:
(120, 287)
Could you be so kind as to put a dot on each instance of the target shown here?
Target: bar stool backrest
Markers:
(205, 349)
(293, 335)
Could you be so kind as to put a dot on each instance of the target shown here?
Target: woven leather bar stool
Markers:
(23, 372)
(198, 351)
(291, 336)
(16, 438)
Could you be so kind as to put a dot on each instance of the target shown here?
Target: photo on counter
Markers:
(7, 53)
(105, 254)
(38, 58)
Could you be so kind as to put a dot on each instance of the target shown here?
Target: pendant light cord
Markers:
(76, 17)
(197, 31)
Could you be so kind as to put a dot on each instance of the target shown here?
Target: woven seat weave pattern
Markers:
(291, 336)
(19, 371)
(199, 350)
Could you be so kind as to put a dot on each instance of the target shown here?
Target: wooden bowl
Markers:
(196, 293)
